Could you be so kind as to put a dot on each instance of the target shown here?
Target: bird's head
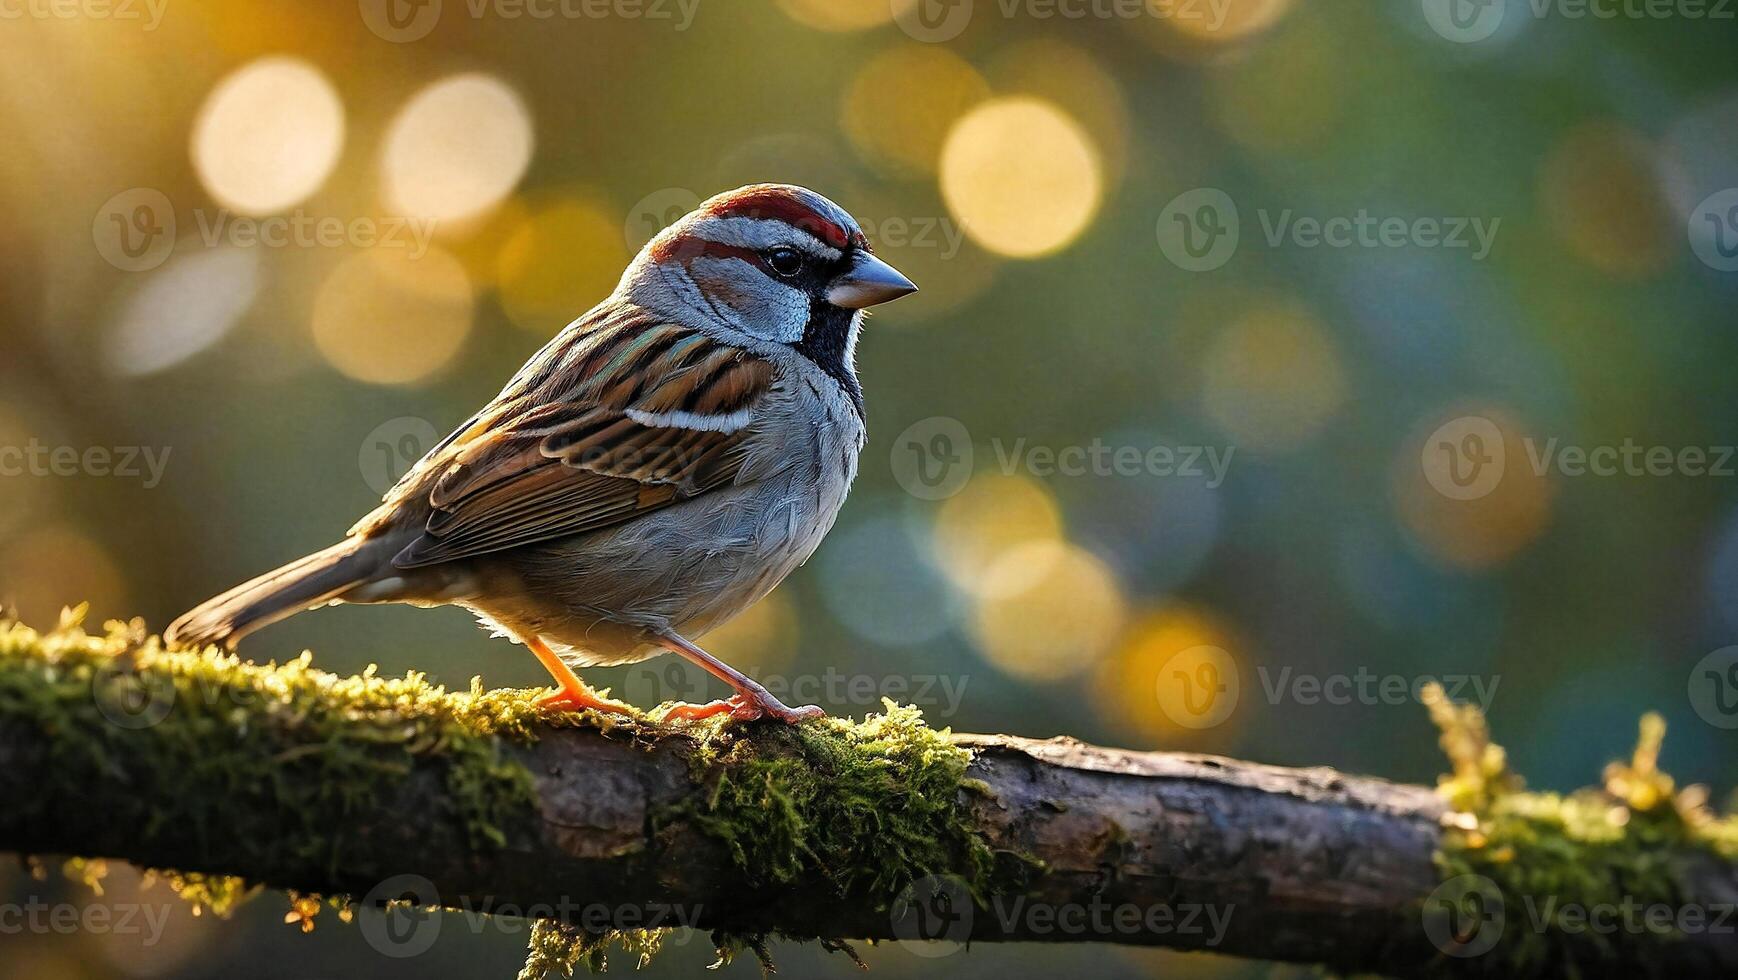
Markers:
(775, 261)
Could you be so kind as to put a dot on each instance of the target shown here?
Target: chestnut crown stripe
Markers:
(781, 205)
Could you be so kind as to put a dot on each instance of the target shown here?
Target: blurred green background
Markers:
(262, 254)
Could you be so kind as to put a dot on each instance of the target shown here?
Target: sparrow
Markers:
(657, 468)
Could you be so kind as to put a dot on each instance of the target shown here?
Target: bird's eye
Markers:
(786, 262)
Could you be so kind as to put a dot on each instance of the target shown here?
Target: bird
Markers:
(659, 466)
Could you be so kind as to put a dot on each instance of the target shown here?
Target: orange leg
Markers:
(750, 701)
(571, 693)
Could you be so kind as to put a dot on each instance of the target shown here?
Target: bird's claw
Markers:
(563, 701)
(744, 707)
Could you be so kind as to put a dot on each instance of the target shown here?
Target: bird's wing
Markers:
(615, 419)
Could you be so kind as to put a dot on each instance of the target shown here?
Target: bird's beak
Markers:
(867, 283)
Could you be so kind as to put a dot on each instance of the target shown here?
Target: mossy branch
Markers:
(392, 789)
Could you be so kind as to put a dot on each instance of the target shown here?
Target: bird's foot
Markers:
(745, 707)
(580, 699)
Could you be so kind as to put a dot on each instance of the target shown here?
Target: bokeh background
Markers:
(282, 247)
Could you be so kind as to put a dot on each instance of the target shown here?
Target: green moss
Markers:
(280, 758)
(869, 806)
(557, 948)
(1552, 856)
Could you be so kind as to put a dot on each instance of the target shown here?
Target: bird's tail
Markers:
(301, 585)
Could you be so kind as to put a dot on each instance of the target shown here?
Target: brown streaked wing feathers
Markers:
(559, 456)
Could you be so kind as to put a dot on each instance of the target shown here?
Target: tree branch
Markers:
(297, 780)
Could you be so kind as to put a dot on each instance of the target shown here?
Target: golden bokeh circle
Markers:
(1493, 523)
(388, 316)
(456, 149)
(1075, 80)
(990, 515)
(1021, 177)
(268, 135)
(1052, 610)
(898, 109)
(1153, 682)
